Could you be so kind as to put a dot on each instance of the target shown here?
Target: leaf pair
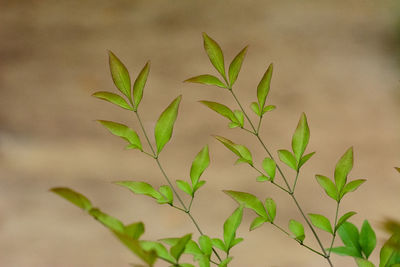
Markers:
(338, 189)
(230, 227)
(236, 117)
(356, 244)
(201, 251)
(241, 151)
(164, 196)
(216, 56)
(300, 140)
(262, 92)
(122, 81)
(269, 167)
(323, 223)
(199, 164)
(266, 213)
(128, 234)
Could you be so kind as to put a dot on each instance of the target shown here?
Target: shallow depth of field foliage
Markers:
(357, 242)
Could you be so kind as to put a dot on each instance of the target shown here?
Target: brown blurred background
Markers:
(338, 61)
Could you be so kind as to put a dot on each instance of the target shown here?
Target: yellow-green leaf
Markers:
(124, 132)
(215, 54)
(113, 98)
(120, 75)
(235, 66)
(206, 79)
(165, 124)
(139, 84)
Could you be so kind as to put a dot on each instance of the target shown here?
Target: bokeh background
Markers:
(338, 61)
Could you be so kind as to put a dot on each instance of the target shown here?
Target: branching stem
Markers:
(290, 191)
(184, 209)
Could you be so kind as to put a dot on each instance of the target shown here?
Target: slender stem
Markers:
(295, 181)
(325, 255)
(281, 229)
(145, 134)
(301, 243)
(178, 208)
(245, 114)
(248, 130)
(185, 209)
(170, 184)
(312, 230)
(190, 204)
(259, 124)
(334, 229)
(272, 182)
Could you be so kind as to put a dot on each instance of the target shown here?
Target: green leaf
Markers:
(263, 87)
(113, 98)
(233, 125)
(397, 169)
(198, 185)
(300, 137)
(321, 222)
(257, 222)
(184, 186)
(367, 239)
(74, 197)
(166, 191)
(349, 234)
(328, 185)
(240, 150)
(240, 117)
(287, 157)
(344, 218)
(236, 241)
(160, 249)
(268, 108)
(225, 262)
(124, 132)
(297, 229)
(135, 230)
(269, 166)
(193, 249)
(177, 250)
(141, 188)
(221, 109)
(200, 163)
(186, 265)
(207, 79)
(304, 159)
(218, 243)
(342, 169)
(215, 54)
(364, 263)
(263, 178)
(231, 225)
(120, 75)
(139, 84)
(165, 124)
(235, 66)
(205, 245)
(346, 251)
(249, 201)
(134, 245)
(389, 252)
(352, 186)
(256, 109)
(108, 221)
(270, 205)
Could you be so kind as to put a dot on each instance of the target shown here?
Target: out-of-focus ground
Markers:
(338, 61)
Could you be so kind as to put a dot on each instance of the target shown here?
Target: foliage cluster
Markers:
(206, 250)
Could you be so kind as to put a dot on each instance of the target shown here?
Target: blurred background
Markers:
(337, 61)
